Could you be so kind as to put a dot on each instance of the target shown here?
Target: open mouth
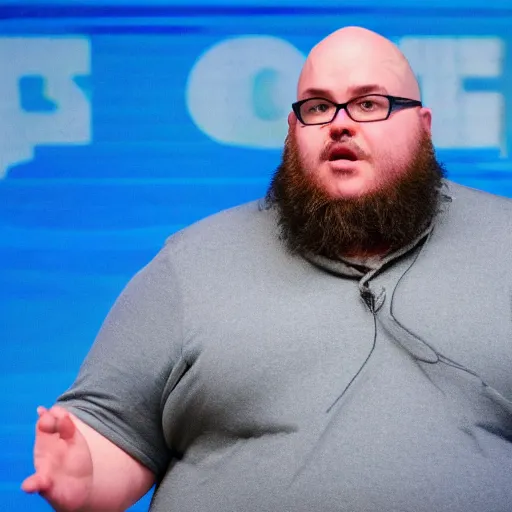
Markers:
(342, 154)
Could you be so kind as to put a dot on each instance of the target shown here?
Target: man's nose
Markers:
(342, 125)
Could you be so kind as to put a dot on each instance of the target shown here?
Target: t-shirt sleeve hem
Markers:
(109, 432)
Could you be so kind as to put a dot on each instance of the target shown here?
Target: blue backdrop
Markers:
(122, 123)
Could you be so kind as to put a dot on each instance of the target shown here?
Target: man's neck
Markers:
(365, 253)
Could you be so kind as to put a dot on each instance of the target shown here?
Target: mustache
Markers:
(343, 146)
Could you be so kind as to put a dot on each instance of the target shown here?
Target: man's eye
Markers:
(319, 108)
(367, 105)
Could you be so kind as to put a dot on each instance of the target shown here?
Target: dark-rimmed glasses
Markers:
(363, 109)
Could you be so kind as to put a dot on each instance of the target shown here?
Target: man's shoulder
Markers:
(468, 197)
(478, 206)
(247, 224)
(226, 221)
(476, 218)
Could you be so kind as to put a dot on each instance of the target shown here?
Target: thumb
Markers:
(36, 483)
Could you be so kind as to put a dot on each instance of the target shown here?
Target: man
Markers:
(344, 345)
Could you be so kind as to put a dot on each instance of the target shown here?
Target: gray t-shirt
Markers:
(249, 379)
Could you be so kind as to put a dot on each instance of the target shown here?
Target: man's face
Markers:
(382, 150)
(384, 195)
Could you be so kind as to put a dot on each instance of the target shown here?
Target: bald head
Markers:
(354, 58)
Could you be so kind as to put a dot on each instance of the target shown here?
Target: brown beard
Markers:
(392, 217)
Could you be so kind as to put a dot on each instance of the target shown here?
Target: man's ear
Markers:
(426, 119)
(292, 120)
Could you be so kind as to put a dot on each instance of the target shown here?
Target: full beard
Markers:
(312, 222)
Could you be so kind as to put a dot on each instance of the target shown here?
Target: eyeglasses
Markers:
(363, 109)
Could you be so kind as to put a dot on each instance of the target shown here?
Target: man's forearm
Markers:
(118, 479)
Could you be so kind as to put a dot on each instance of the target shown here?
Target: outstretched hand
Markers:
(62, 459)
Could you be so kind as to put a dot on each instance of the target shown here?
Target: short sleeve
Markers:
(119, 387)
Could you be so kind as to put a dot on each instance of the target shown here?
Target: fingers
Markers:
(56, 410)
(56, 420)
(66, 427)
(46, 449)
(36, 483)
(47, 422)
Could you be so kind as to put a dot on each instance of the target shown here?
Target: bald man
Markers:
(342, 345)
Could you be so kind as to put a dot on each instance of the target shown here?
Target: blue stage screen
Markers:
(123, 122)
